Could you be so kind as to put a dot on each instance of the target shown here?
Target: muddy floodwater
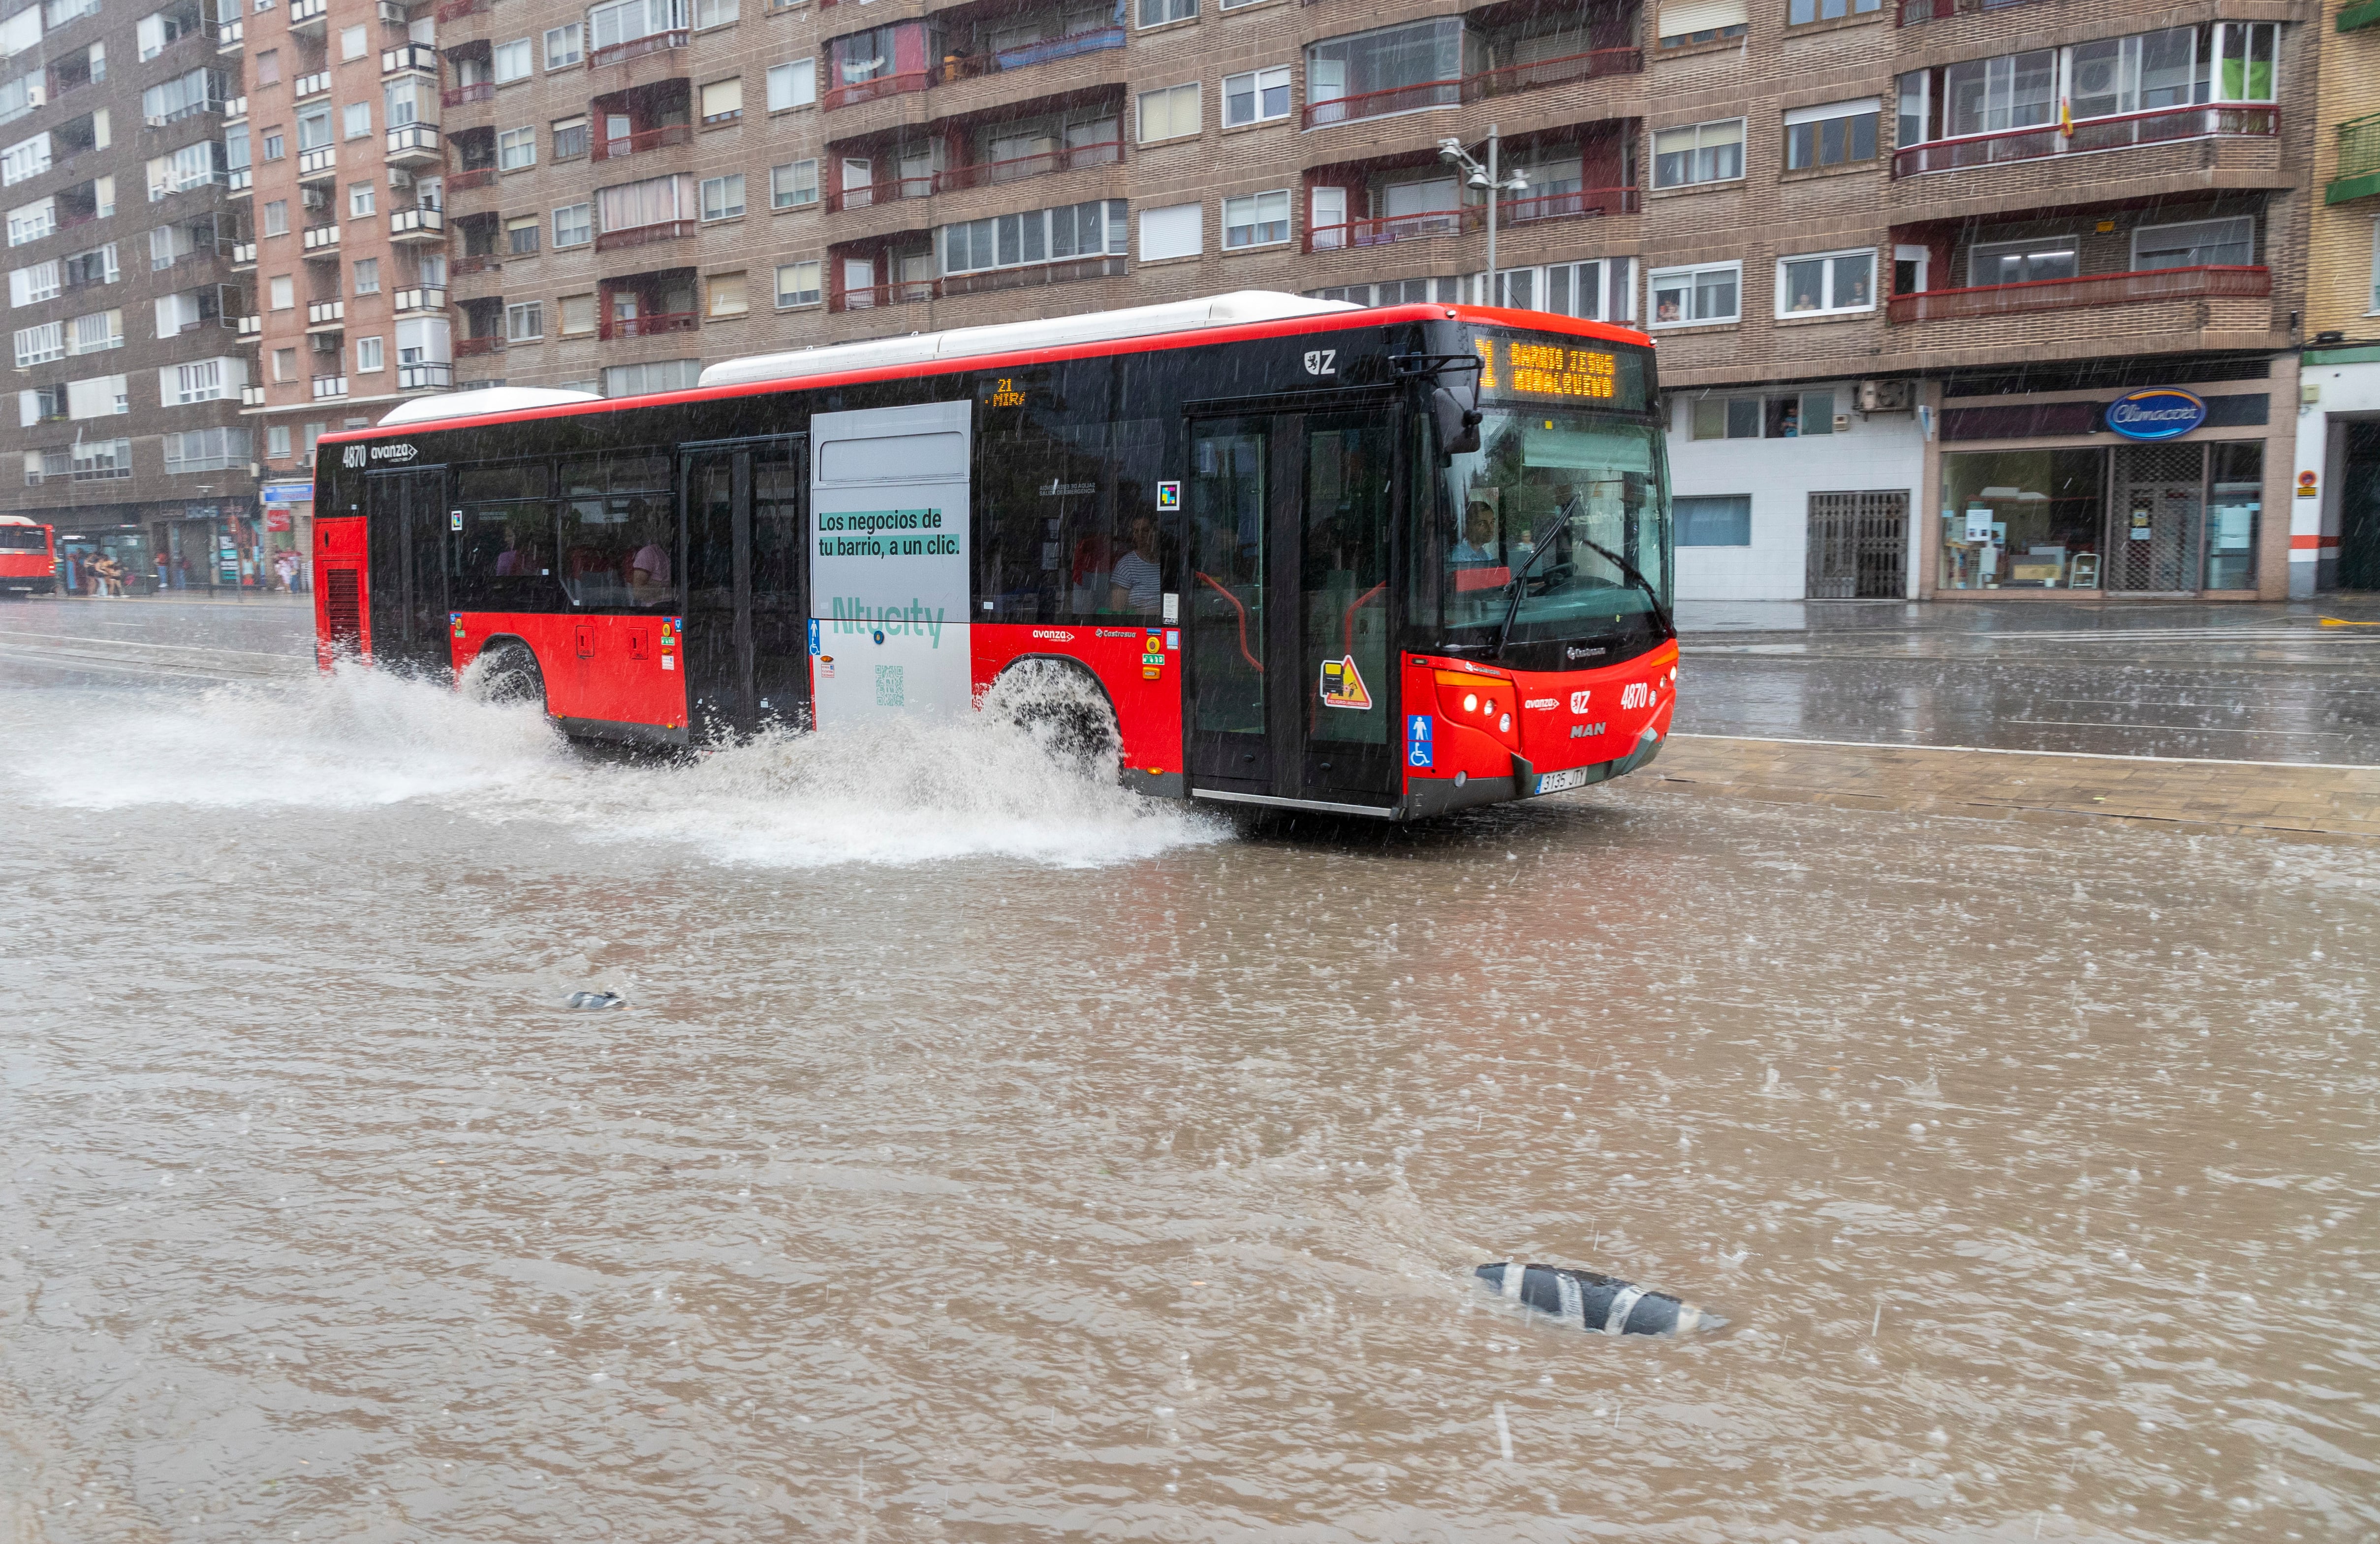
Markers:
(984, 1155)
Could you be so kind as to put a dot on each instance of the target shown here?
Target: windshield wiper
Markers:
(1521, 579)
(1627, 568)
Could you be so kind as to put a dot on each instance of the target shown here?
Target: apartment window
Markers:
(277, 218)
(1698, 153)
(359, 200)
(569, 139)
(313, 437)
(1177, 232)
(314, 127)
(358, 119)
(723, 102)
(577, 314)
(1785, 416)
(726, 295)
(1826, 282)
(2017, 263)
(574, 225)
(31, 285)
(514, 61)
(275, 147)
(723, 197)
(1092, 229)
(794, 184)
(1692, 297)
(793, 85)
(1687, 22)
(517, 150)
(101, 459)
(354, 43)
(714, 13)
(520, 234)
(283, 288)
(285, 364)
(367, 276)
(1389, 70)
(45, 465)
(661, 375)
(561, 46)
(268, 67)
(798, 283)
(371, 355)
(1169, 113)
(2199, 244)
(653, 200)
(276, 442)
(202, 382)
(1798, 12)
(1157, 13)
(523, 321)
(1602, 290)
(1258, 96)
(621, 22)
(1832, 136)
(1260, 221)
(40, 344)
(1724, 520)
(98, 331)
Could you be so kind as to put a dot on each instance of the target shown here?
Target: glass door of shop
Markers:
(2160, 502)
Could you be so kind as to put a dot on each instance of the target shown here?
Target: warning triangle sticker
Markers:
(1343, 685)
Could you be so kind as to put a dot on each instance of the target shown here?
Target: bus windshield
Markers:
(1558, 532)
(21, 538)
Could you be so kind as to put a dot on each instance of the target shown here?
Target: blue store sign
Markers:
(2155, 413)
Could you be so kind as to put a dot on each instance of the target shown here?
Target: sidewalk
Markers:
(224, 597)
(2330, 804)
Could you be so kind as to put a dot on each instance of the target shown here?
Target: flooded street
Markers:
(986, 1155)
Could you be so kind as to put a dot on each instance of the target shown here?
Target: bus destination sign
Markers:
(1558, 369)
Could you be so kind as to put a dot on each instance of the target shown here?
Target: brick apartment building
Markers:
(122, 304)
(2334, 538)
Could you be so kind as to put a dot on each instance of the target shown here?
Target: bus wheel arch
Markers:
(505, 670)
(1062, 704)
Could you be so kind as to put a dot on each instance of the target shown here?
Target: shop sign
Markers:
(287, 492)
(2155, 413)
(276, 518)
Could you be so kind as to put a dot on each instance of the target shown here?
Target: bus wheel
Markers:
(505, 673)
(1062, 707)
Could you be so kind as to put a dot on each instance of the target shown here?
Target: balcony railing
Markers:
(315, 84)
(476, 262)
(328, 386)
(2089, 135)
(2091, 289)
(1593, 65)
(321, 241)
(456, 10)
(428, 298)
(413, 142)
(470, 348)
(424, 224)
(1067, 159)
(651, 326)
(636, 48)
(320, 162)
(975, 66)
(411, 56)
(2359, 161)
(231, 36)
(643, 139)
(305, 13)
(902, 292)
(251, 396)
(430, 377)
(637, 235)
(1913, 12)
(476, 91)
(325, 313)
(463, 182)
(1579, 204)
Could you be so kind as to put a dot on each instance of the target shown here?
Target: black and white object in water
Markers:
(1600, 1303)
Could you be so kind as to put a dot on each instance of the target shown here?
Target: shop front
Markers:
(288, 540)
(210, 548)
(2157, 491)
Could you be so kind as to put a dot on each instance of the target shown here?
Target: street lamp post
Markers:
(1490, 179)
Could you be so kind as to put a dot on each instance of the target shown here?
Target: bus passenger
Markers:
(649, 574)
(1137, 578)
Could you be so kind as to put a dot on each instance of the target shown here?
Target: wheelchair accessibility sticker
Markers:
(1417, 746)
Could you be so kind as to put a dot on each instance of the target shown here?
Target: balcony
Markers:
(902, 292)
(251, 396)
(1070, 158)
(307, 14)
(476, 262)
(329, 386)
(315, 84)
(434, 377)
(242, 180)
(423, 225)
(975, 66)
(1579, 204)
(2359, 159)
(321, 241)
(638, 236)
(635, 48)
(648, 327)
(428, 298)
(465, 348)
(1488, 84)
(413, 57)
(2088, 136)
(231, 37)
(1914, 12)
(412, 145)
(325, 315)
(463, 182)
(2090, 290)
(243, 254)
(251, 327)
(642, 140)
(456, 10)
(477, 91)
(235, 110)
(318, 165)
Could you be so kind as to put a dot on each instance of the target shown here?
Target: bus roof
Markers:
(1222, 318)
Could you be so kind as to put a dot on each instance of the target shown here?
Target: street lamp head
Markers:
(1450, 151)
(1479, 180)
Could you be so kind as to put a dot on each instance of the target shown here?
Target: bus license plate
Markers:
(1555, 782)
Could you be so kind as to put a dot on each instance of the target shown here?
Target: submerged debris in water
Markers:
(595, 999)
(1600, 1303)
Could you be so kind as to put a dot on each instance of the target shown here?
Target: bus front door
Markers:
(747, 642)
(1292, 689)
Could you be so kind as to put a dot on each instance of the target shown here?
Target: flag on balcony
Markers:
(2066, 116)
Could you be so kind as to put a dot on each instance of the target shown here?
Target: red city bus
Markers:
(29, 557)
(1386, 561)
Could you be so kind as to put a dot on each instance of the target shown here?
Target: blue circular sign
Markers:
(2155, 413)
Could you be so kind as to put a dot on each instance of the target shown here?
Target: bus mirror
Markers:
(1457, 416)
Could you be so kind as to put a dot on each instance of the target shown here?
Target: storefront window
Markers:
(2236, 506)
(2023, 519)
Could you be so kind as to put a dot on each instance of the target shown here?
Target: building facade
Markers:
(121, 299)
(2335, 539)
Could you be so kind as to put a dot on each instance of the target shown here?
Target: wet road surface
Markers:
(986, 1154)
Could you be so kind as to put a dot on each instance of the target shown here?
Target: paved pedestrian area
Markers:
(2318, 803)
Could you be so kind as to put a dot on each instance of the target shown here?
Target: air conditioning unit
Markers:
(1887, 397)
(327, 343)
(315, 198)
(393, 14)
(399, 178)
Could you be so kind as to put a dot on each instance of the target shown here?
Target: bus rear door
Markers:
(747, 596)
(1293, 697)
(406, 521)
